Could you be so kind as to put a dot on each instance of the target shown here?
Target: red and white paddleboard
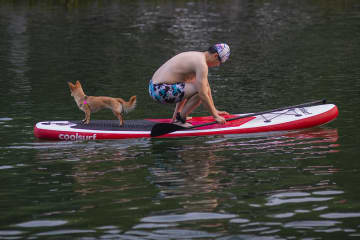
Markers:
(292, 118)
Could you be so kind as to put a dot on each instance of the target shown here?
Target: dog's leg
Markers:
(84, 120)
(87, 115)
(119, 116)
(121, 120)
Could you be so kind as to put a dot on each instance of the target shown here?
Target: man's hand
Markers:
(222, 112)
(220, 119)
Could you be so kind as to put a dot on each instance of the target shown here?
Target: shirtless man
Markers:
(184, 80)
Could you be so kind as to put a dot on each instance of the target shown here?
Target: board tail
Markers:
(128, 106)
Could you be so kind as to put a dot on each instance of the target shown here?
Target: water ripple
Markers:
(310, 224)
(153, 225)
(8, 233)
(278, 201)
(187, 217)
(340, 215)
(41, 223)
(64, 232)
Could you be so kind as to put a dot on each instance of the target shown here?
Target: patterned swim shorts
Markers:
(167, 93)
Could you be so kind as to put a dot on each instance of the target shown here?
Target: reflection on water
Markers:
(208, 182)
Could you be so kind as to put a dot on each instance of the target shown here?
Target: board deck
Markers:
(285, 120)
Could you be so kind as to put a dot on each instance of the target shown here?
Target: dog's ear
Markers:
(71, 86)
(78, 84)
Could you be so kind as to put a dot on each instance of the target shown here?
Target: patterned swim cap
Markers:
(223, 50)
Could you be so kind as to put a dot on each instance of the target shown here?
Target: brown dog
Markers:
(91, 104)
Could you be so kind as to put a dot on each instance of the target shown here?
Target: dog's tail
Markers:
(128, 106)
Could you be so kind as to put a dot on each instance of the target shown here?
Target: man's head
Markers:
(221, 51)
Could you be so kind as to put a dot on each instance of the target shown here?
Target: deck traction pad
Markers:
(113, 125)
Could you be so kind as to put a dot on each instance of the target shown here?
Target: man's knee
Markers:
(197, 98)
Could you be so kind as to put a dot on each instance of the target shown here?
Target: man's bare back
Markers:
(181, 68)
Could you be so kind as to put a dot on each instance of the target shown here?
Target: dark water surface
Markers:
(302, 185)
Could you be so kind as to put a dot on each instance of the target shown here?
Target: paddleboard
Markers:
(284, 120)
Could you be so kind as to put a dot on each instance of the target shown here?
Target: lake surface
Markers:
(302, 185)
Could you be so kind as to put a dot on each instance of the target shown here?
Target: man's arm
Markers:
(211, 98)
(203, 89)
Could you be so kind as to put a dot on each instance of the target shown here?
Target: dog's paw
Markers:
(84, 121)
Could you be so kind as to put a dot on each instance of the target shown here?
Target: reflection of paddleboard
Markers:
(284, 120)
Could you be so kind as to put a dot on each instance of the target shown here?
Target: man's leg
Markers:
(178, 108)
(192, 103)
(193, 100)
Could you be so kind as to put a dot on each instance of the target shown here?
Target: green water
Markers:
(300, 185)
